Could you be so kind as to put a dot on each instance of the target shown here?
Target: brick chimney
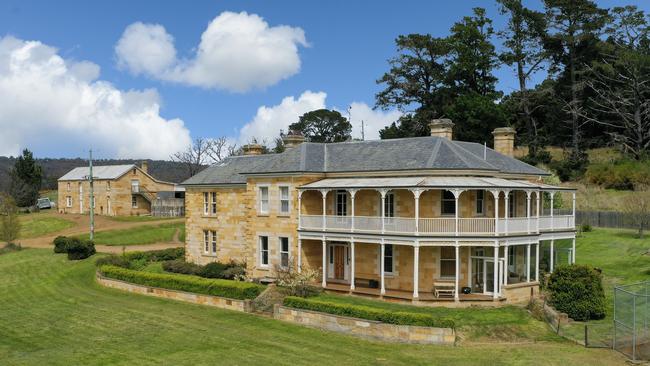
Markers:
(443, 127)
(504, 140)
(144, 166)
(293, 139)
(252, 149)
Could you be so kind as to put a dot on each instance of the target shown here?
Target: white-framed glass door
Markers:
(488, 276)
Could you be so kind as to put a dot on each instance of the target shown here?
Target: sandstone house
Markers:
(426, 219)
(119, 190)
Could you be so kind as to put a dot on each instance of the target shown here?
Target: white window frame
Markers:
(480, 202)
(443, 200)
(392, 259)
(263, 206)
(284, 252)
(134, 201)
(213, 203)
(341, 201)
(68, 201)
(440, 260)
(261, 251)
(68, 186)
(206, 203)
(283, 200)
(389, 205)
(213, 242)
(206, 241)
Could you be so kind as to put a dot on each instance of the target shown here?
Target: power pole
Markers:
(92, 195)
(363, 133)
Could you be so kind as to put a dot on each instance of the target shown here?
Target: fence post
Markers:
(586, 337)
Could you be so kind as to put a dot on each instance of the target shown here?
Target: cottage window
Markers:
(447, 262)
(206, 204)
(341, 203)
(68, 186)
(213, 203)
(480, 202)
(284, 200)
(213, 234)
(68, 201)
(264, 200)
(284, 252)
(108, 185)
(264, 251)
(134, 201)
(448, 204)
(388, 258)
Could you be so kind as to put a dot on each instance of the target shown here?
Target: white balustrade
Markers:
(399, 225)
(517, 225)
(338, 222)
(367, 223)
(311, 221)
(438, 226)
(476, 225)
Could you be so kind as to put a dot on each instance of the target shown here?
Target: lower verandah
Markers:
(436, 268)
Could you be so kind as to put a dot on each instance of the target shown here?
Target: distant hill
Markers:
(55, 168)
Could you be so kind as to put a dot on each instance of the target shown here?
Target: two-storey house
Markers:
(427, 219)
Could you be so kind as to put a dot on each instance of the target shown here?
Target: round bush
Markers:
(577, 290)
(60, 244)
(213, 270)
(80, 249)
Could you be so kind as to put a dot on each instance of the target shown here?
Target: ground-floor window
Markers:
(447, 262)
(210, 242)
(68, 201)
(264, 251)
(134, 202)
(206, 241)
(284, 252)
(388, 258)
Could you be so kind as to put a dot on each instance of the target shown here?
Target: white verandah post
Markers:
(537, 261)
(353, 193)
(528, 262)
(324, 216)
(496, 195)
(416, 196)
(573, 251)
(495, 293)
(324, 282)
(573, 208)
(383, 193)
(457, 278)
(506, 253)
(552, 194)
(528, 215)
(506, 210)
(299, 255)
(381, 266)
(538, 199)
(300, 209)
(416, 269)
(456, 193)
(352, 264)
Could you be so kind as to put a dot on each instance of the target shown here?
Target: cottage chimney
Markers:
(144, 166)
(293, 139)
(443, 127)
(504, 140)
(252, 149)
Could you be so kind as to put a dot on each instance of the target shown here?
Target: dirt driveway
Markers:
(102, 223)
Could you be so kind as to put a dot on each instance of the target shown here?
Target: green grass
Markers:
(54, 313)
(140, 235)
(36, 224)
(141, 218)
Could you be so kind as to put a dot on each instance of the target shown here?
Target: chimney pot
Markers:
(442, 127)
(504, 140)
(252, 149)
(144, 166)
(293, 139)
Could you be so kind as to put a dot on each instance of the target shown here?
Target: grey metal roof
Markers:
(99, 172)
(418, 153)
(429, 182)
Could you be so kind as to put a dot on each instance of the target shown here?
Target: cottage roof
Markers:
(99, 172)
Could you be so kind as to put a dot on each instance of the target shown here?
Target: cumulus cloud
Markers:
(237, 52)
(268, 121)
(58, 107)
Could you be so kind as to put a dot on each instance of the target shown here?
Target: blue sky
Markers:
(347, 45)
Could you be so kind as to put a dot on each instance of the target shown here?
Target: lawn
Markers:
(146, 234)
(38, 224)
(54, 313)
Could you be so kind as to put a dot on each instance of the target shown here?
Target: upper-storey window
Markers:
(480, 202)
(68, 186)
(341, 203)
(206, 203)
(213, 203)
(108, 185)
(448, 203)
(264, 200)
(284, 200)
(389, 205)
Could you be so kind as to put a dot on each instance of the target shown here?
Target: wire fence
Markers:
(631, 319)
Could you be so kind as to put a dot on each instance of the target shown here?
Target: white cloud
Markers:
(58, 107)
(237, 52)
(268, 121)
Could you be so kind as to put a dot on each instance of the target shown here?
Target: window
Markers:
(134, 202)
(68, 186)
(448, 204)
(134, 172)
(341, 203)
(284, 252)
(213, 203)
(448, 262)
(284, 200)
(480, 202)
(210, 242)
(214, 242)
(264, 251)
(108, 185)
(68, 201)
(512, 204)
(389, 205)
(388, 258)
(206, 241)
(264, 200)
(512, 259)
(205, 203)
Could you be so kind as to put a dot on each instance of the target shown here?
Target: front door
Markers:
(339, 262)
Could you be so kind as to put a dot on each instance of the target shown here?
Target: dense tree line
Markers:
(595, 93)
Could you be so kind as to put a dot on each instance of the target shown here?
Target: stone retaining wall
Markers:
(219, 302)
(520, 293)
(365, 328)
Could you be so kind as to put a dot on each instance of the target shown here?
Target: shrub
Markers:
(157, 255)
(298, 283)
(213, 270)
(585, 228)
(215, 287)
(10, 247)
(113, 260)
(234, 273)
(180, 266)
(80, 249)
(578, 291)
(622, 175)
(60, 244)
(366, 312)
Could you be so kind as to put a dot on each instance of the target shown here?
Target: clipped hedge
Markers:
(214, 287)
(369, 313)
(577, 290)
(157, 255)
